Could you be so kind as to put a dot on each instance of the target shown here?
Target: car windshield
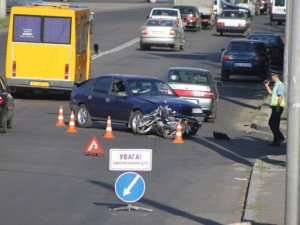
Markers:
(245, 47)
(159, 23)
(149, 87)
(268, 40)
(164, 12)
(190, 77)
(233, 14)
(279, 2)
(187, 11)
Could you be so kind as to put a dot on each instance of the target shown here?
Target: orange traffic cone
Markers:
(72, 128)
(178, 137)
(93, 147)
(108, 133)
(60, 120)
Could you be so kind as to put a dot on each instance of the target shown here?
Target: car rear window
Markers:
(279, 2)
(268, 40)
(191, 77)
(245, 47)
(233, 14)
(164, 12)
(187, 11)
(160, 23)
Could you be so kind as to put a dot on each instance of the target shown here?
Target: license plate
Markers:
(157, 32)
(39, 83)
(243, 64)
(231, 24)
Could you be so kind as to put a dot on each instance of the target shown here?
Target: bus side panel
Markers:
(45, 62)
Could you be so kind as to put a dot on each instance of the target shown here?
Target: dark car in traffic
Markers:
(274, 45)
(227, 5)
(245, 57)
(191, 17)
(6, 107)
(125, 98)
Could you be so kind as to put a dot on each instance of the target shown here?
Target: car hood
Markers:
(175, 103)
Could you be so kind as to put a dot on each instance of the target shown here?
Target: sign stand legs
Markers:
(131, 208)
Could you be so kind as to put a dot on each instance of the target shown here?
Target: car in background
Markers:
(245, 57)
(167, 12)
(162, 32)
(191, 17)
(278, 11)
(274, 45)
(6, 107)
(125, 98)
(247, 4)
(233, 21)
(11, 3)
(227, 5)
(263, 6)
(195, 85)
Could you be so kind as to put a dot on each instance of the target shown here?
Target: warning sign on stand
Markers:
(130, 159)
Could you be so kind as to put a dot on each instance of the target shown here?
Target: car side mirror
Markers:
(147, 17)
(96, 49)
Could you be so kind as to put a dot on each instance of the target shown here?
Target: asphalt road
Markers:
(46, 179)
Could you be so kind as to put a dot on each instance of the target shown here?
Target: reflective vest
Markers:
(274, 99)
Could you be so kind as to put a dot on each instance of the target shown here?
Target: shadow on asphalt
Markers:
(240, 149)
(211, 56)
(43, 95)
(155, 204)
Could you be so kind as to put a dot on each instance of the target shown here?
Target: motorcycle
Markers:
(165, 122)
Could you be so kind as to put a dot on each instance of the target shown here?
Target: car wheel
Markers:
(3, 124)
(148, 47)
(193, 131)
(83, 117)
(221, 33)
(142, 47)
(224, 76)
(133, 120)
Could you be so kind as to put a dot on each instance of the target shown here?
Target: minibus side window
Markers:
(27, 28)
(57, 30)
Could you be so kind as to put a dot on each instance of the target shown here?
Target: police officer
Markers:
(277, 105)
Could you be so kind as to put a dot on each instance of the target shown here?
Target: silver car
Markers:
(162, 32)
(196, 85)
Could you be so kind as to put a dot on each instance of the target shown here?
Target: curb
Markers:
(261, 207)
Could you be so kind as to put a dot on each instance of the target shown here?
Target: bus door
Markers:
(82, 29)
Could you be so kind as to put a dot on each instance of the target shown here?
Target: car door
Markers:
(121, 106)
(98, 102)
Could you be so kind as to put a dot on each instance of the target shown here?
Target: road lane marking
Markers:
(116, 49)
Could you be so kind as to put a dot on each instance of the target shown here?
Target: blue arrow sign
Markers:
(130, 187)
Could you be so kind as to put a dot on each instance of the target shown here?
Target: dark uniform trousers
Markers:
(274, 123)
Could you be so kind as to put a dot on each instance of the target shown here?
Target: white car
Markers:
(162, 32)
(167, 12)
(233, 21)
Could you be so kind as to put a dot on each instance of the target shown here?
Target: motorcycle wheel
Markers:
(168, 132)
(140, 129)
(193, 131)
